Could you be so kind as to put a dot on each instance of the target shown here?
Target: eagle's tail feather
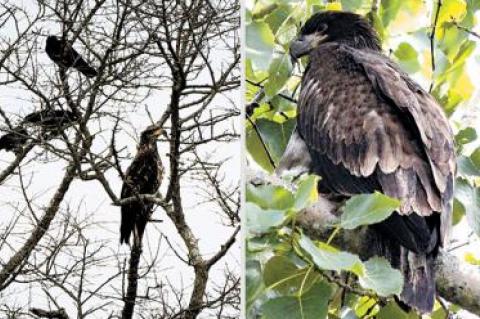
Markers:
(419, 280)
(417, 270)
(126, 227)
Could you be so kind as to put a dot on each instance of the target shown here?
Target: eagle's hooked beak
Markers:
(159, 131)
(304, 44)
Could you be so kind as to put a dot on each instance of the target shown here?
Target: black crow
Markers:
(62, 53)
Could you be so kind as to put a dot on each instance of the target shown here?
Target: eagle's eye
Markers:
(322, 28)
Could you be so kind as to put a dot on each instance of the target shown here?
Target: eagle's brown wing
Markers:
(143, 176)
(368, 127)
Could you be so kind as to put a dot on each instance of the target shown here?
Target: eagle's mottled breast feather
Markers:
(360, 112)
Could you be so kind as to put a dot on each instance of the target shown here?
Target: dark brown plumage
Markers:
(367, 126)
(144, 176)
(14, 140)
(62, 53)
(51, 119)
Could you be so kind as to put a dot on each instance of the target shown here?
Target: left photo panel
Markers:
(119, 159)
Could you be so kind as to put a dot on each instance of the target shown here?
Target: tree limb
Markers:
(457, 281)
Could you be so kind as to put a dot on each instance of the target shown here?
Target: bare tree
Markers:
(175, 63)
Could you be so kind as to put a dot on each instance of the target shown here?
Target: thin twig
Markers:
(432, 41)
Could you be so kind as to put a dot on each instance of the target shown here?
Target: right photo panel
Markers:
(362, 159)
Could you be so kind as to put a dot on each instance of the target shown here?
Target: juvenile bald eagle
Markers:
(63, 54)
(363, 125)
(144, 176)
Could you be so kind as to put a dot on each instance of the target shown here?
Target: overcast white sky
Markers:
(94, 205)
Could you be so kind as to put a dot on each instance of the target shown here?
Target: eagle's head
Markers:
(151, 134)
(334, 26)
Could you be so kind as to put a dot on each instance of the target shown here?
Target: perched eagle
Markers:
(364, 125)
(62, 53)
(14, 140)
(51, 119)
(143, 177)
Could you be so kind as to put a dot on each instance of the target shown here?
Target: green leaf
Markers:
(364, 306)
(275, 136)
(392, 310)
(381, 277)
(458, 212)
(367, 209)
(326, 257)
(281, 104)
(450, 10)
(311, 305)
(257, 150)
(278, 270)
(469, 196)
(475, 157)
(407, 57)
(306, 193)
(279, 72)
(389, 10)
(270, 197)
(466, 136)
(277, 17)
(285, 277)
(466, 167)
(254, 282)
(260, 221)
(260, 41)
(351, 5)
(471, 259)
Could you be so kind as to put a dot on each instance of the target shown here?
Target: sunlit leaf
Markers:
(260, 221)
(333, 6)
(381, 277)
(306, 193)
(270, 197)
(458, 212)
(471, 259)
(449, 10)
(275, 136)
(260, 41)
(279, 72)
(465, 136)
(407, 57)
(367, 209)
(328, 258)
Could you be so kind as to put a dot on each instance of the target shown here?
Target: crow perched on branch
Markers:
(363, 125)
(62, 53)
(144, 176)
(14, 140)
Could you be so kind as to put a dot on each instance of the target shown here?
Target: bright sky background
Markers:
(90, 203)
